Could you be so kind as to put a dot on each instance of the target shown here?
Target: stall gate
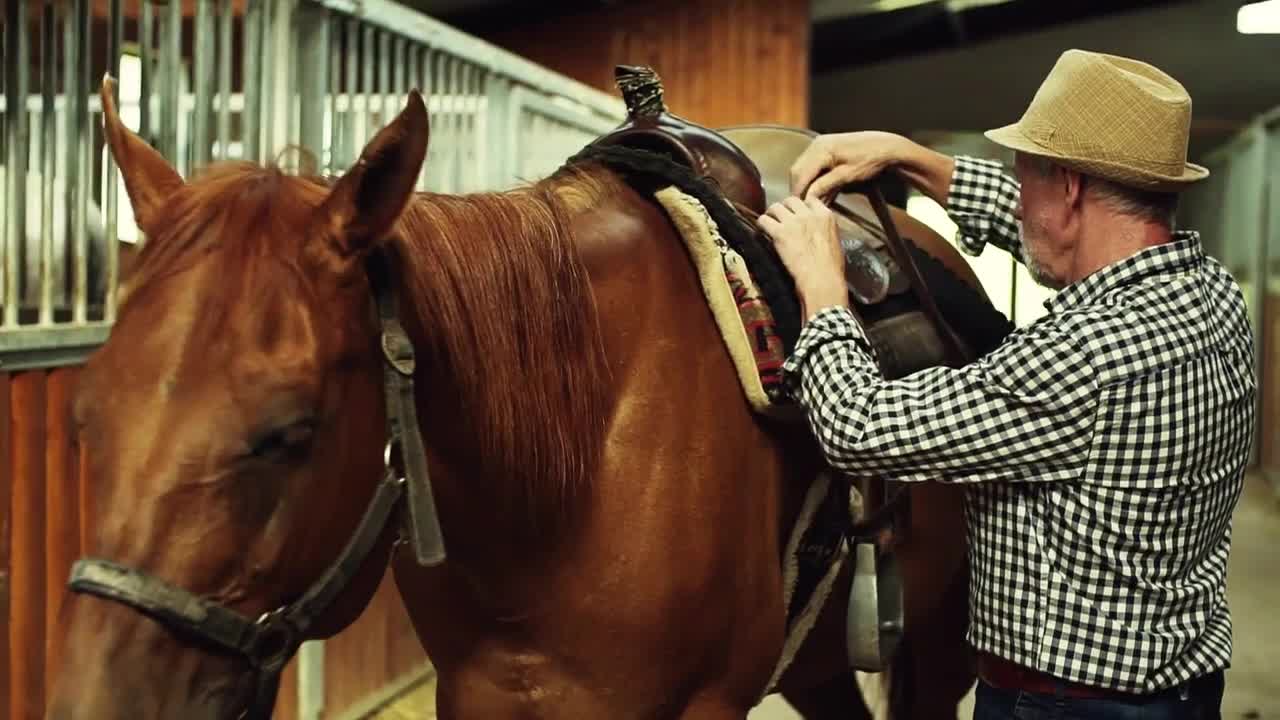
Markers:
(301, 83)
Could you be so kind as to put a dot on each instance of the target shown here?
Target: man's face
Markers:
(1043, 210)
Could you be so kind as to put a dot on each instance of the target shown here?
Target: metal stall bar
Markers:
(333, 161)
(280, 57)
(500, 164)
(396, 90)
(454, 90)
(421, 64)
(313, 81)
(115, 36)
(17, 66)
(226, 16)
(383, 90)
(442, 170)
(82, 148)
(471, 161)
(203, 77)
(48, 155)
(146, 55)
(434, 104)
(171, 85)
(398, 18)
(368, 61)
(251, 117)
(353, 58)
(70, 157)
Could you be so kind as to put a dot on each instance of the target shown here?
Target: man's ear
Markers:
(1074, 188)
(367, 201)
(148, 178)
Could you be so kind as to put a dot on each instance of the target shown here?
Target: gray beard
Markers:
(1037, 270)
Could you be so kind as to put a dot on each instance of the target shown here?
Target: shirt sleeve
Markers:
(983, 202)
(1024, 412)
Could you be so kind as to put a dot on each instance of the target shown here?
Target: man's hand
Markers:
(833, 161)
(804, 234)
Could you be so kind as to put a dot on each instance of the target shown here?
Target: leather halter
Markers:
(269, 642)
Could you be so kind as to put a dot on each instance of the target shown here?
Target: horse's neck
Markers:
(510, 383)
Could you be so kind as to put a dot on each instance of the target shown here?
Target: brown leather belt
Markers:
(1001, 673)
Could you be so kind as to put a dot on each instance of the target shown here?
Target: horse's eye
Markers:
(283, 442)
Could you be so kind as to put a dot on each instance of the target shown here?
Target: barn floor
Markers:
(1253, 683)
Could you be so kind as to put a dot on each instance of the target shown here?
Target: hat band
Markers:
(1042, 134)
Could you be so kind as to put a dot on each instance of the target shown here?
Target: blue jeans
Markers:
(1200, 699)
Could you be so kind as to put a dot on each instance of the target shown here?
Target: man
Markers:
(1104, 445)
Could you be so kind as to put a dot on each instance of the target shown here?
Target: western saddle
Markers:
(873, 271)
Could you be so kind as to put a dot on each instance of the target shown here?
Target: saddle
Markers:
(875, 270)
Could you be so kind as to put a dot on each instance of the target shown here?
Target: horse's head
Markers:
(233, 420)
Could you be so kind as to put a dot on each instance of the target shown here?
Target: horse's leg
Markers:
(837, 698)
(819, 683)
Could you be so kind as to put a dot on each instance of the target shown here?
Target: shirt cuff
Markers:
(972, 200)
(833, 324)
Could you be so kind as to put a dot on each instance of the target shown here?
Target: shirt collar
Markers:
(1181, 253)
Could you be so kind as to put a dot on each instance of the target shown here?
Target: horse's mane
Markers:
(498, 283)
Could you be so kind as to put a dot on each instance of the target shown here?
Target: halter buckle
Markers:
(277, 641)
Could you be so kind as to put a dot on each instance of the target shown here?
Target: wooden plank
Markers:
(27, 581)
(85, 487)
(6, 488)
(62, 500)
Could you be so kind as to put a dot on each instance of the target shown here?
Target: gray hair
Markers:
(1157, 207)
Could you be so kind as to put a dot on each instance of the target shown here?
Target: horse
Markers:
(614, 512)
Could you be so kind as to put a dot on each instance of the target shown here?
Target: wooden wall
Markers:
(41, 512)
(723, 62)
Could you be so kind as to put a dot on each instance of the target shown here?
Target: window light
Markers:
(1258, 18)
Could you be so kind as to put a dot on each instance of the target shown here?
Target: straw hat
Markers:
(1110, 117)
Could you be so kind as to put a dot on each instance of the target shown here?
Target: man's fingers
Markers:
(794, 204)
(768, 222)
(812, 162)
(828, 185)
(778, 211)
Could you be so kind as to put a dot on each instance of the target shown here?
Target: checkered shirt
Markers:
(1103, 448)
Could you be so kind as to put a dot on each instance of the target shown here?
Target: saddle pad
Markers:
(745, 321)
(815, 554)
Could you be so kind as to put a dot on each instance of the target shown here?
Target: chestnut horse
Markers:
(614, 511)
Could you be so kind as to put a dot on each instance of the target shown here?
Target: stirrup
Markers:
(874, 615)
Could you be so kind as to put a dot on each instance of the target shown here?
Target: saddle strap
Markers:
(953, 346)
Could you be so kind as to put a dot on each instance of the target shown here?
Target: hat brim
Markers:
(1012, 137)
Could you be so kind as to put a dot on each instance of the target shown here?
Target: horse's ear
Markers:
(366, 202)
(148, 178)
